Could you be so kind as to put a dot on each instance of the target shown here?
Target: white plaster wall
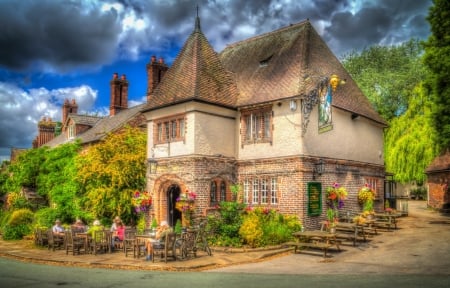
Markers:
(360, 139)
(209, 131)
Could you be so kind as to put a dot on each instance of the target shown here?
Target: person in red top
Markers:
(118, 234)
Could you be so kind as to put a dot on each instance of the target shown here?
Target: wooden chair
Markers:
(54, 242)
(166, 249)
(40, 237)
(128, 241)
(74, 243)
(139, 247)
(101, 241)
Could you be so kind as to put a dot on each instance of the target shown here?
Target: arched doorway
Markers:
(173, 192)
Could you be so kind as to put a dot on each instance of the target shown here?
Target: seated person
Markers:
(57, 229)
(96, 226)
(160, 237)
(79, 226)
(118, 233)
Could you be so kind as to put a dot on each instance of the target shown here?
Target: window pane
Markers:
(258, 126)
(263, 191)
(248, 127)
(222, 191)
(181, 121)
(167, 130)
(212, 193)
(273, 191)
(160, 132)
(267, 127)
(174, 129)
(246, 190)
(255, 198)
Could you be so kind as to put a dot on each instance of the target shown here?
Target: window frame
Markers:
(257, 125)
(169, 129)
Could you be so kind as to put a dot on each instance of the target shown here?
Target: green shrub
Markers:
(18, 225)
(251, 230)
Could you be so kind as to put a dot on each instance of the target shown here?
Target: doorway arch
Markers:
(173, 214)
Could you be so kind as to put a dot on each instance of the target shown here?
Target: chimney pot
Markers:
(115, 75)
(161, 60)
(153, 58)
(123, 77)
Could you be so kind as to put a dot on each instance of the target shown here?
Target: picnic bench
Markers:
(314, 239)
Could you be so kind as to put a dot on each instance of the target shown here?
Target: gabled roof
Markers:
(439, 164)
(102, 127)
(196, 74)
(290, 62)
(83, 119)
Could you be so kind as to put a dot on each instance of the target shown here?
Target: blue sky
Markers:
(51, 50)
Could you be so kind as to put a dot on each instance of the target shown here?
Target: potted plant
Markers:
(366, 196)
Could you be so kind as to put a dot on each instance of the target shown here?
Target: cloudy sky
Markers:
(51, 50)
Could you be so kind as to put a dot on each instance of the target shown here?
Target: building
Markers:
(438, 175)
(270, 114)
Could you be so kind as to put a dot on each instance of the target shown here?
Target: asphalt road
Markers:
(415, 255)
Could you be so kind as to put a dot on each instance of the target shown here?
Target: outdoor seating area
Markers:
(176, 246)
(349, 230)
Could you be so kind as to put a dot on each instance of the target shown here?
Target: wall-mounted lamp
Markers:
(152, 165)
(318, 169)
(335, 82)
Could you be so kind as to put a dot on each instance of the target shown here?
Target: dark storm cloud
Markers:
(58, 34)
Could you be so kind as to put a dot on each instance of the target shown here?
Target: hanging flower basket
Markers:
(186, 204)
(142, 201)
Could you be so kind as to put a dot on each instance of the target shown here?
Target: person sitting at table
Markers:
(118, 234)
(114, 224)
(96, 226)
(79, 226)
(159, 239)
(57, 229)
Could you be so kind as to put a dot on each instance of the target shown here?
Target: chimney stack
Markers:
(119, 94)
(155, 73)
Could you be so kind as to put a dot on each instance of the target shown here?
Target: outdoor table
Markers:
(350, 230)
(389, 218)
(318, 235)
(86, 238)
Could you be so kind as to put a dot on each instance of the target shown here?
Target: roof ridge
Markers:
(291, 26)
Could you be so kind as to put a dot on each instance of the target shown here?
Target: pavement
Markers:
(420, 245)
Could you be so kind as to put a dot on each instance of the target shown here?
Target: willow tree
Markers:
(437, 58)
(110, 171)
(410, 141)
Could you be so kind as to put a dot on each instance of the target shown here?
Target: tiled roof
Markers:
(102, 127)
(84, 119)
(196, 74)
(440, 163)
(290, 62)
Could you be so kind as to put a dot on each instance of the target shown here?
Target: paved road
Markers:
(19, 274)
(416, 255)
(420, 246)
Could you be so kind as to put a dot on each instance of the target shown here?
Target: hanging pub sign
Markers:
(314, 198)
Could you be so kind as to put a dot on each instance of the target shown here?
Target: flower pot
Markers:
(333, 230)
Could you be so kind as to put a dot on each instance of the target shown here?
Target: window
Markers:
(218, 192)
(262, 191)
(257, 125)
(169, 129)
(72, 131)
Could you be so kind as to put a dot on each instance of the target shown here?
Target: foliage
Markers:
(18, 224)
(226, 224)
(387, 75)
(410, 141)
(264, 226)
(15, 200)
(45, 217)
(365, 194)
(25, 170)
(110, 172)
(177, 228)
(155, 223)
(437, 59)
(57, 182)
(335, 196)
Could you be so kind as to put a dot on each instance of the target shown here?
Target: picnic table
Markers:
(314, 239)
(387, 220)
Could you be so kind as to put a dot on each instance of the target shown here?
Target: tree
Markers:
(57, 182)
(437, 58)
(111, 171)
(410, 141)
(387, 75)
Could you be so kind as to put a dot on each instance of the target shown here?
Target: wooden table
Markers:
(350, 231)
(388, 219)
(86, 237)
(314, 239)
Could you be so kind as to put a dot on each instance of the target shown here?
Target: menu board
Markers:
(314, 198)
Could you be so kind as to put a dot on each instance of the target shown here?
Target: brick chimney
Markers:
(155, 73)
(68, 108)
(46, 132)
(119, 94)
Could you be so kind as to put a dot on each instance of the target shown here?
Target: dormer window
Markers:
(71, 131)
(256, 125)
(265, 62)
